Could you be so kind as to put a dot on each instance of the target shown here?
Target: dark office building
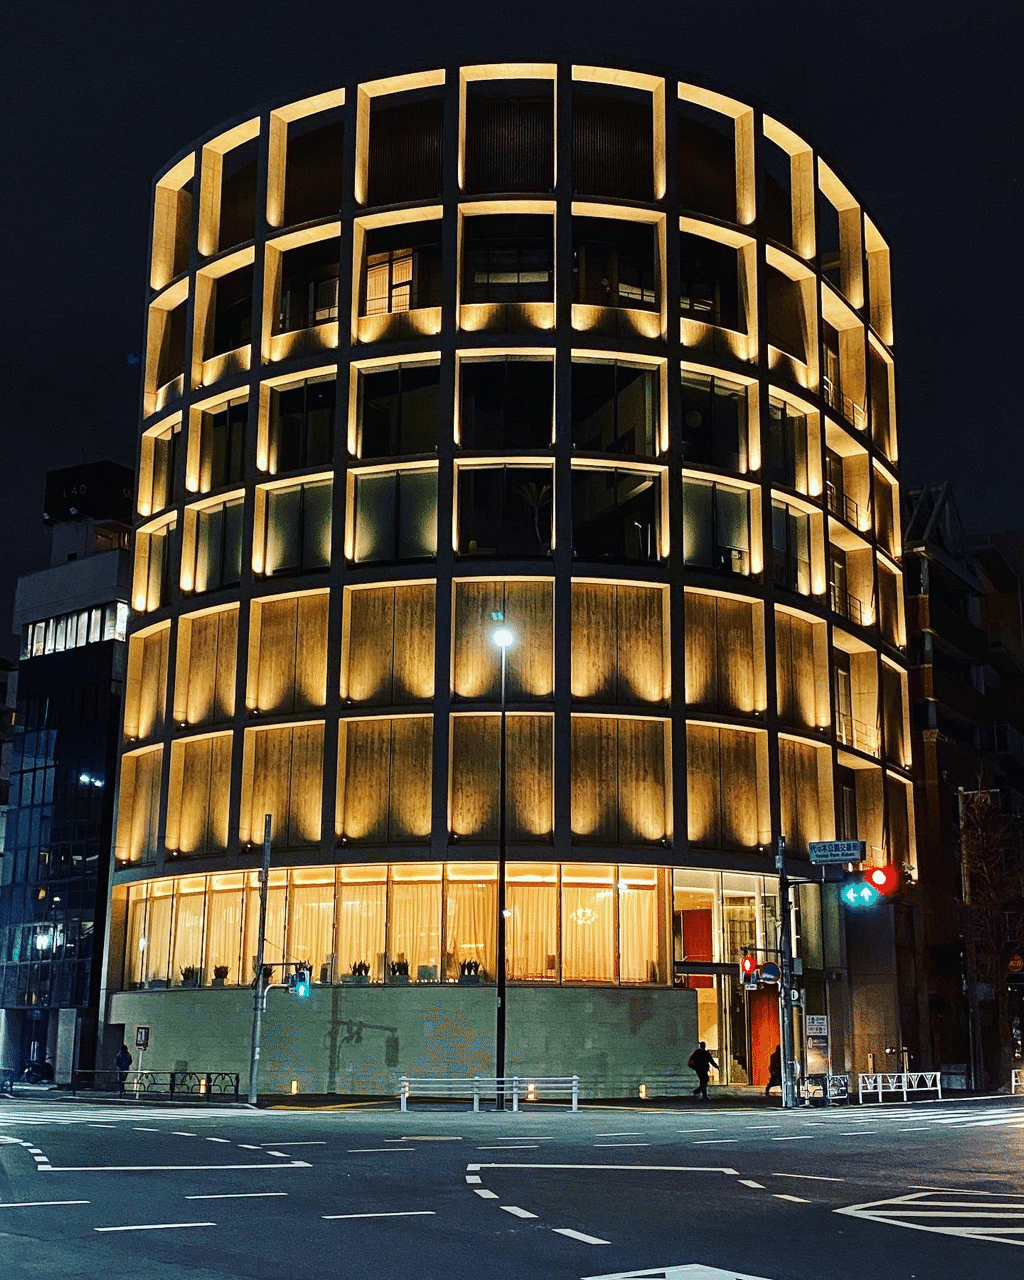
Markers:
(71, 618)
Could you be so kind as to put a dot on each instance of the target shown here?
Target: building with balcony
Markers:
(586, 352)
(71, 619)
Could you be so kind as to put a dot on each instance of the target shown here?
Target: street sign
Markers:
(770, 972)
(142, 1037)
(816, 1024)
(687, 1271)
(824, 853)
(1015, 964)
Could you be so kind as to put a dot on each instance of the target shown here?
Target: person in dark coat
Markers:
(700, 1063)
(123, 1062)
(774, 1071)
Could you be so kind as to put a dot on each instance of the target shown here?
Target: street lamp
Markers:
(503, 637)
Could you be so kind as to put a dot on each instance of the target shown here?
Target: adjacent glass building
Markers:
(586, 351)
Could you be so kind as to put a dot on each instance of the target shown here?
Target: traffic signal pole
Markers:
(786, 986)
(257, 986)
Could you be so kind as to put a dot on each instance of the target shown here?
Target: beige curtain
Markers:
(530, 794)
(306, 792)
(735, 635)
(360, 928)
(701, 650)
(641, 937)
(205, 675)
(273, 947)
(532, 932)
(146, 683)
(703, 786)
(198, 804)
(415, 928)
(292, 652)
(414, 647)
(794, 661)
(135, 953)
(371, 642)
(363, 790)
(139, 805)
(189, 911)
(588, 933)
(311, 649)
(798, 786)
(311, 927)
(470, 926)
(410, 777)
(595, 778)
(287, 781)
(158, 937)
(475, 765)
(224, 935)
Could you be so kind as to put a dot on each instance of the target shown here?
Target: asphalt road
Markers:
(931, 1190)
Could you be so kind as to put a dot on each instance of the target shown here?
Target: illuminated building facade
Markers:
(587, 351)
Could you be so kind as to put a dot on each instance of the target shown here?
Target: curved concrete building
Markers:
(583, 353)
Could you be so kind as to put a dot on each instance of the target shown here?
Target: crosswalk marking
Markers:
(102, 1116)
(972, 1215)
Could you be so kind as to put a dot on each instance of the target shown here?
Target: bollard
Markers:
(575, 1093)
(515, 1093)
(476, 1093)
(403, 1092)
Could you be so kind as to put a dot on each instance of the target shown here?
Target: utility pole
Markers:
(258, 992)
(785, 993)
(502, 1015)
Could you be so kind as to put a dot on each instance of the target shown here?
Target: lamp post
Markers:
(502, 637)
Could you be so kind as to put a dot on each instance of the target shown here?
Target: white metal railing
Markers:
(518, 1088)
(903, 1082)
(1017, 1080)
(828, 1088)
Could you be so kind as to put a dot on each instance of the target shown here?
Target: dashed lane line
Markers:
(808, 1177)
(157, 1226)
(855, 1133)
(516, 1212)
(238, 1195)
(713, 1142)
(367, 1151)
(165, 1168)
(318, 1143)
(749, 1182)
(282, 1154)
(397, 1213)
(36, 1204)
(626, 1133)
(472, 1178)
(520, 1146)
(218, 1139)
(796, 1137)
(603, 1145)
(781, 1195)
(579, 1235)
(484, 1194)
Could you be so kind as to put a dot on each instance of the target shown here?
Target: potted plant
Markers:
(190, 976)
(220, 972)
(400, 973)
(360, 975)
(469, 973)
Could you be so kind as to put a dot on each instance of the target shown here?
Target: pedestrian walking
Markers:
(123, 1062)
(774, 1071)
(700, 1063)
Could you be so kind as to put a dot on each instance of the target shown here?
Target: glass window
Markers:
(232, 312)
(643, 949)
(398, 410)
(403, 268)
(471, 910)
(189, 912)
(709, 282)
(508, 258)
(791, 548)
(218, 546)
(787, 445)
(506, 404)
(716, 527)
(505, 511)
(311, 922)
(301, 426)
(588, 923)
(714, 418)
(360, 916)
(222, 446)
(224, 934)
(414, 922)
(164, 452)
(531, 898)
(309, 287)
(615, 263)
(614, 407)
(298, 528)
(396, 515)
(615, 514)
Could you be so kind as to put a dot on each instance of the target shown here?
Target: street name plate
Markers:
(828, 852)
(816, 1024)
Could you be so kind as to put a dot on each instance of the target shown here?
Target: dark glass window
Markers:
(613, 143)
(615, 263)
(222, 446)
(506, 404)
(716, 527)
(881, 424)
(714, 418)
(784, 313)
(313, 167)
(158, 575)
(775, 209)
(787, 445)
(218, 546)
(403, 268)
(614, 407)
(709, 282)
(396, 516)
(238, 196)
(839, 501)
(165, 470)
(505, 511)
(707, 162)
(309, 287)
(791, 548)
(826, 229)
(298, 528)
(508, 258)
(398, 410)
(302, 426)
(171, 360)
(615, 514)
(510, 136)
(182, 227)
(232, 311)
(406, 144)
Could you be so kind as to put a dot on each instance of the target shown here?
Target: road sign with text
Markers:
(823, 853)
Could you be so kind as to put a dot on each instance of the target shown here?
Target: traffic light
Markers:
(749, 976)
(298, 983)
(867, 888)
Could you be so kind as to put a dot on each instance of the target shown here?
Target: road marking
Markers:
(318, 1143)
(621, 1144)
(282, 1154)
(355, 1151)
(91, 1124)
(749, 1182)
(712, 1142)
(797, 1137)
(752, 1127)
(218, 1139)
(532, 1137)
(966, 1191)
(250, 1146)
(523, 1146)
(779, 1195)
(177, 1133)
(633, 1168)
(165, 1168)
(809, 1177)
(627, 1133)
(579, 1235)
(967, 1219)
(36, 1204)
(515, 1210)
(855, 1133)
(918, 1128)
(484, 1194)
(142, 1129)
(403, 1213)
(709, 1128)
(157, 1226)
(472, 1178)
(238, 1195)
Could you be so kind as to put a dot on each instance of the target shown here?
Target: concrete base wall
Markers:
(363, 1039)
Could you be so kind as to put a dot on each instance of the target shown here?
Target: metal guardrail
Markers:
(824, 1088)
(518, 1088)
(1017, 1080)
(902, 1082)
(174, 1084)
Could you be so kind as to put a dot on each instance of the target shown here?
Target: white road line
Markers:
(607, 1168)
(964, 1191)
(712, 1142)
(520, 1146)
(809, 1177)
(515, 1210)
(628, 1133)
(796, 1137)
(319, 1143)
(282, 1154)
(484, 1194)
(918, 1128)
(472, 1178)
(779, 1195)
(165, 1168)
(250, 1146)
(142, 1129)
(94, 1125)
(238, 1195)
(752, 1127)
(855, 1133)
(531, 1137)
(218, 1139)
(708, 1128)
(177, 1133)
(600, 1145)
(355, 1151)
(579, 1235)
(36, 1204)
(158, 1226)
(749, 1182)
(406, 1213)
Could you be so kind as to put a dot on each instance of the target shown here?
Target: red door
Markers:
(764, 1032)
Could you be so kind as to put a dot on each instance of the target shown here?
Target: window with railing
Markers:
(840, 504)
(714, 422)
(791, 548)
(398, 410)
(301, 426)
(716, 527)
(832, 379)
(615, 514)
(403, 269)
(709, 287)
(840, 598)
(787, 445)
(508, 257)
(615, 263)
(309, 287)
(614, 407)
(396, 515)
(505, 511)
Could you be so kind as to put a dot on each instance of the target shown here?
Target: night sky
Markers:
(918, 107)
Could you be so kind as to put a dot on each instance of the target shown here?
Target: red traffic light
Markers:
(748, 965)
(885, 879)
